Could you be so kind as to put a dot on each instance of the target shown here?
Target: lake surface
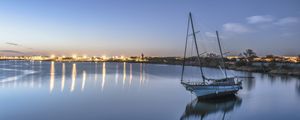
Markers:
(127, 91)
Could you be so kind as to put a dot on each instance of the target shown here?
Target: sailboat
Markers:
(208, 87)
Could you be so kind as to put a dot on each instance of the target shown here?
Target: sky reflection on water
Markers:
(56, 90)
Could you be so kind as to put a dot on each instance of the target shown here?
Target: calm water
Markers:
(55, 90)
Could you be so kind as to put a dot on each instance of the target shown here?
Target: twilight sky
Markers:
(154, 27)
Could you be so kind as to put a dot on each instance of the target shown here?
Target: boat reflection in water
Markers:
(203, 108)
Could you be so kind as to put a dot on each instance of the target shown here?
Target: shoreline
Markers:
(286, 72)
(248, 68)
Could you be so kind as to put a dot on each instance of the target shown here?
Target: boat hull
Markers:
(209, 91)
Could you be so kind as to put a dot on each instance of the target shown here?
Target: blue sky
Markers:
(154, 27)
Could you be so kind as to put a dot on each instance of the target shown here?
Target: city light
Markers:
(74, 56)
(104, 57)
(52, 56)
(84, 56)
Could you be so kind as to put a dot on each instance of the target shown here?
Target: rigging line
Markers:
(206, 26)
(223, 64)
(208, 39)
(221, 69)
(196, 46)
(195, 32)
(192, 56)
(192, 47)
(201, 55)
(186, 39)
(203, 41)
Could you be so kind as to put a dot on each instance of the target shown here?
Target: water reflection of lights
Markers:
(128, 77)
(31, 83)
(130, 74)
(15, 83)
(52, 76)
(83, 80)
(32, 79)
(40, 76)
(124, 73)
(117, 73)
(141, 73)
(63, 77)
(74, 72)
(103, 75)
(96, 71)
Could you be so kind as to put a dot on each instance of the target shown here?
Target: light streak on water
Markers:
(130, 74)
(52, 76)
(103, 75)
(74, 73)
(63, 77)
(124, 73)
(83, 80)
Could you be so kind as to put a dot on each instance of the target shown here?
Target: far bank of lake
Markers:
(282, 68)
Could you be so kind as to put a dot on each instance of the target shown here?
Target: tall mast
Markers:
(186, 39)
(223, 63)
(194, 35)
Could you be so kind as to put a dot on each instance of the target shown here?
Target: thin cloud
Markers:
(11, 51)
(287, 20)
(213, 35)
(210, 34)
(19, 45)
(259, 19)
(235, 27)
(14, 44)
